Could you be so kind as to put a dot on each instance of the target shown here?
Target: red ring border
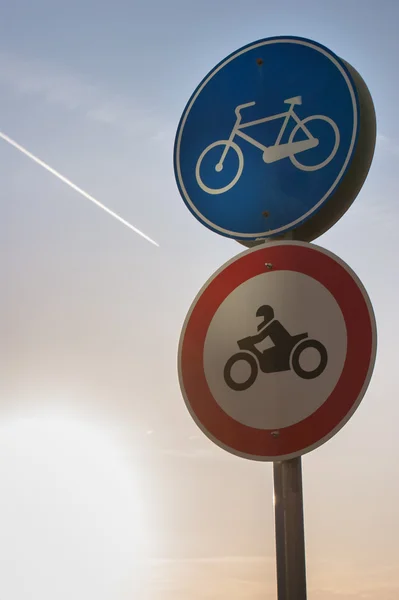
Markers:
(314, 430)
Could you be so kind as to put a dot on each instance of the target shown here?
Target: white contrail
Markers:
(73, 186)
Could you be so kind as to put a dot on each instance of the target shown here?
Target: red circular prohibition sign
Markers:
(301, 437)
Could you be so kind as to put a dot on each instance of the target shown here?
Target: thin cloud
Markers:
(249, 578)
(71, 92)
(211, 577)
(388, 144)
(190, 453)
(211, 560)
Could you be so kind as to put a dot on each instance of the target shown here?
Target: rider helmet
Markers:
(266, 312)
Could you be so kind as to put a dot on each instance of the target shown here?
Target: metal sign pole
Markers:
(290, 536)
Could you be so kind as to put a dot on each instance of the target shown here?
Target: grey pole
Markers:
(290, 536)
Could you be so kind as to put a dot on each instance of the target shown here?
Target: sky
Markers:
(109, 490)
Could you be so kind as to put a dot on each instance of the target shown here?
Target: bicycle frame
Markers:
(237, 129)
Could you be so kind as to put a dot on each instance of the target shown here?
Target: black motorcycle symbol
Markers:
(282, 356)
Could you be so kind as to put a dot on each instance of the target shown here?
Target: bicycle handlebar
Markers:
(241, 106)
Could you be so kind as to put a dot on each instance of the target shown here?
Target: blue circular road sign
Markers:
(267, 138)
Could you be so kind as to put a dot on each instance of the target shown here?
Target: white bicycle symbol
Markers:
(270, 153)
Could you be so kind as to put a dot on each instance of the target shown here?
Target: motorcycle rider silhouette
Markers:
(282, 356)
(276, 356)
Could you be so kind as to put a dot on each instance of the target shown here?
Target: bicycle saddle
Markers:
(294, 100)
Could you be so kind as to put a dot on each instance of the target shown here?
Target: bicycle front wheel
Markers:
(218, 166)
(335, 139)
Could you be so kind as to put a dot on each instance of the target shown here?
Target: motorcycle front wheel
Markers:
(240, 386)
(322, 362)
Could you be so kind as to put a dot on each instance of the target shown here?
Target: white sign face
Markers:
(275, 399)
(277, 351)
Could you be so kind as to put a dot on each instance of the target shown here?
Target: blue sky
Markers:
(91, 314)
